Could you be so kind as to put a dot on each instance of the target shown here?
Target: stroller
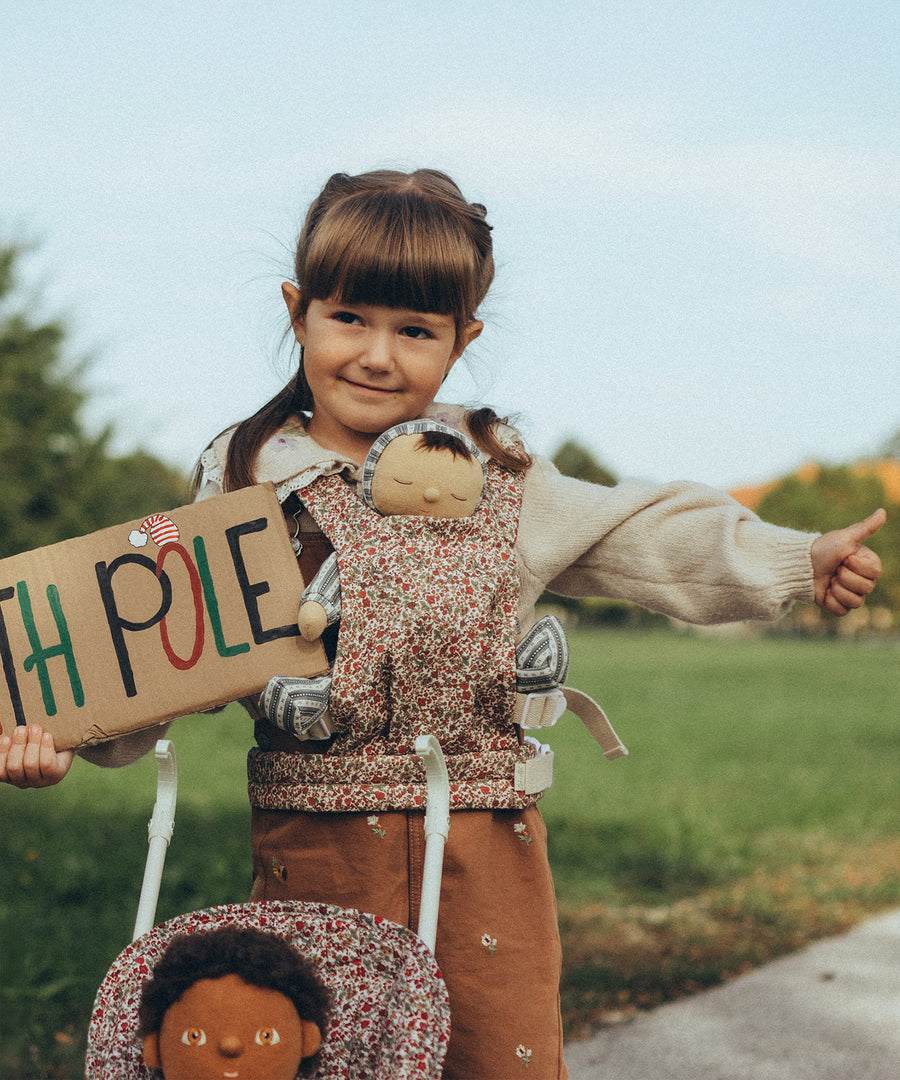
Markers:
(390, 1012)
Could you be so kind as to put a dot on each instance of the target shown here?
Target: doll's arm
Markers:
(542, 662)
(29, 758)
(320, 604)
(844, 569)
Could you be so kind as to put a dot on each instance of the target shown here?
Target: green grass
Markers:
(731, 743)
(758, 807)
(757, 810)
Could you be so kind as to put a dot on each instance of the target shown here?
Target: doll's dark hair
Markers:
(260, 959)
(394, 239)
(444, 440)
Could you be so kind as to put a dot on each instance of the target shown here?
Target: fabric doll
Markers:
(430, 477)
(231, 1002)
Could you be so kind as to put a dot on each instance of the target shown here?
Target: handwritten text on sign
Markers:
(98, 637)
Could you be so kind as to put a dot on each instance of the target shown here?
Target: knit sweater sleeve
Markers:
(115, 753)
(682, 549)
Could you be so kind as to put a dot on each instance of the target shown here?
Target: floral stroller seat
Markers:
(390, 1010)
(390, 1016)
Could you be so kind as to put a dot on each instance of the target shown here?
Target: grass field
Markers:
(758, 809)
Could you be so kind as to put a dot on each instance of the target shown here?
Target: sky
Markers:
(694, 204)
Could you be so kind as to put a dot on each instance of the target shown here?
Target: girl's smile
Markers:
(369, 367)
(367, 388)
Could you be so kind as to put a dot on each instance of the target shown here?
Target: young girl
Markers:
(390, 272)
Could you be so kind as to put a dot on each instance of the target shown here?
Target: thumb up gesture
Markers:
(844, 569)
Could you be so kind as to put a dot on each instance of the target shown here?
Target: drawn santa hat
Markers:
(162, 530)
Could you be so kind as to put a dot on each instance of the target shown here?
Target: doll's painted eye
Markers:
(460, 498)
(405, 483)
(267, 1037)
(194, 1037)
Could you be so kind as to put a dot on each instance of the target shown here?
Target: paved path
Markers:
(830, 1012)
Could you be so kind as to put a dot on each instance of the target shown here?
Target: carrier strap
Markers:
(595, 720)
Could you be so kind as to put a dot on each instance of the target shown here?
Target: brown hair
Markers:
(402, 240)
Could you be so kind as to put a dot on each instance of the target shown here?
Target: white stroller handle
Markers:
(160, 829)
(437, 829)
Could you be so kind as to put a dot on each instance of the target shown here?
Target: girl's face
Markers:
(369, 367)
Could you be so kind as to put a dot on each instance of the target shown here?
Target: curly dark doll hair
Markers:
(260, 959)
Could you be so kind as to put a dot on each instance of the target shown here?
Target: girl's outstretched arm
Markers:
(844, 569)
(29, 758)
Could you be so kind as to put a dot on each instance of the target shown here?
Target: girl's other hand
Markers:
(844, 570)
(29, 758)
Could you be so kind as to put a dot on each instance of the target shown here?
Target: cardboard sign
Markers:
(154, 619)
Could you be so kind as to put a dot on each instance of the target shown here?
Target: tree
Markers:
(573, 459)
(835, 496)
(56, 479)
(891, 448)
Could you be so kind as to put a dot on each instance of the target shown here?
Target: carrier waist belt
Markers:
(325, 783)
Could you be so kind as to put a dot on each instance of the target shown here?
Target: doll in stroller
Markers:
(389, 1012)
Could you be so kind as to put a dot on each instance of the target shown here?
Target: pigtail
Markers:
(251, 433)
(483, 424)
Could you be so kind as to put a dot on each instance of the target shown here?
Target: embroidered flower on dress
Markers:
(280, 443)
(523, 1054)
(372, 821)
(450, 418)
(490, 943)
(522, 832)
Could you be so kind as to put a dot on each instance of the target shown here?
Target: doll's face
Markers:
(225, 1029)
(425, 482)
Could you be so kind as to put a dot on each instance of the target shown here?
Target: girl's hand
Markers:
(844, 570)
(29, 758)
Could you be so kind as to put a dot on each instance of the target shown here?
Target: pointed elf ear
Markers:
(464, 339)
(292, 300)
(151, 1051)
